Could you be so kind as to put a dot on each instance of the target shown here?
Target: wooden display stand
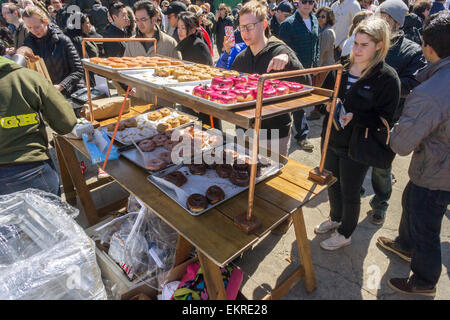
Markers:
(272, 201)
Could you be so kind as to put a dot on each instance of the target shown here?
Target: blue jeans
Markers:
(382, 187)
(420, 229)
(300, 125)
(39, 175)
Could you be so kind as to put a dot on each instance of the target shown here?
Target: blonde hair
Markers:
(256, 8)
(31, 11)
(378, 31)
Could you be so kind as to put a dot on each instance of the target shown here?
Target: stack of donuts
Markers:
(193, 72)
(169, 123)
(234, 89)
(164, 158)
(135, 62)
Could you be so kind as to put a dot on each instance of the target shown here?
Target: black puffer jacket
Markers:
(114, 49)
(194, 49)
(406, 57)
(60, 56)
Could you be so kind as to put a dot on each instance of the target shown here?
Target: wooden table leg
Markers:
(303, 250)
(183, 250)
(71, 165)
(69, 189)
(213, 278)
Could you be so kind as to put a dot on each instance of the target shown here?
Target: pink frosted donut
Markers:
(281, 89)
(269, 92)
(224, 97)
(238, 80)
(200, 91)
(243, 94)
(293, 86)
(222, 80)
(220, 87)
(253, 77)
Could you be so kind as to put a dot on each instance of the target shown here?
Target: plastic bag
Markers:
(140, 242)
(44, 253)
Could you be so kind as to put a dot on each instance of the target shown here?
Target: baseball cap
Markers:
(175, 7)
(285, 7)
(272, 6)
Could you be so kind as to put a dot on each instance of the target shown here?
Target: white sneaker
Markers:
(326, 226)
(335, 242)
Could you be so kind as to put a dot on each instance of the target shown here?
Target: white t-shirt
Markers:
(308, 23)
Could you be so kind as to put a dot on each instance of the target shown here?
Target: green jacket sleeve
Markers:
(56, 110)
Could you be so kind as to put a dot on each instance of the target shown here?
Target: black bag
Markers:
(371, 146)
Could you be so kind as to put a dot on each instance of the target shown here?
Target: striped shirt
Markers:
(350, 81)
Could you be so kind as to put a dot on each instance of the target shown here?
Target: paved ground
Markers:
(359, 271)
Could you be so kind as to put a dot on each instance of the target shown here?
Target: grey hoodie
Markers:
(424, 127)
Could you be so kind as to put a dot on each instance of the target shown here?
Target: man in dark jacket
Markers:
(98, 16)
(406, 57)
(283, 11)
(61, 14)
(424, 129)
(28, 100)
(56, 49)
(264, 55)
(172, 12)
(301, 32)
(222, 20)
(116, 29)
(12, 15)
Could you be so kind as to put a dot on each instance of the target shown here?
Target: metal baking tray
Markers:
(152, 124)
(156, 81)
(186, 90)
(108, 68)
(132, 154)
(200, 183)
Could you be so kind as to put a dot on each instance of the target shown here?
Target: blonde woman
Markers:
(370, 89)
(348, 44)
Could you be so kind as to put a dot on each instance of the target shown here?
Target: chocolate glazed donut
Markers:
(176, 177)
(215, 194)
(198, 169)
(240, 178)
(223, 170)
(196, 202)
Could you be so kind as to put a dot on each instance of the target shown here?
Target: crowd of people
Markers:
(394, 89)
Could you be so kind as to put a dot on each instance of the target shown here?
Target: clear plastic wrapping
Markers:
(140, 242)
(44, 253)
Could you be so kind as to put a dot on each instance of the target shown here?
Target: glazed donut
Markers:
(183, 119)
(160, 139)
(118, 65)
(223, 170)
(130, 123)
(132, 64)
(163, 127)
(196, 202)
(173, 122)
(165, 112)
(154, 115)
(156, 164)
(149, 64)
(198, 169)
(239, 178)
(230, 73)
(147, 145)
(176, 177)
(215, 194)
(176, 63)
(169, 144)
(165, 156)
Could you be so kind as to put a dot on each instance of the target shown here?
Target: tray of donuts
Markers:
(149, 124)
(199, 186)
(165, 150)
(232, 92)
(157, 78)
(132, 63)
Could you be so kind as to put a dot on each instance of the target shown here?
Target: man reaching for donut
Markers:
(263, 55)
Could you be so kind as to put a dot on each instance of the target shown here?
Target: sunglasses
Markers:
(311, 2)
(221, 8)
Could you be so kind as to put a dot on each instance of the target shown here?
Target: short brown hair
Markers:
(422, 5)
(31, 11)
(329, 12)
(256, 8)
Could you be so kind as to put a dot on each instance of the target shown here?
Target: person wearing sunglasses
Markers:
(264, 55)
(223, 19)
(301, 32)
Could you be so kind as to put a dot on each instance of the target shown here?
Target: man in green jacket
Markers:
(27, 99)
